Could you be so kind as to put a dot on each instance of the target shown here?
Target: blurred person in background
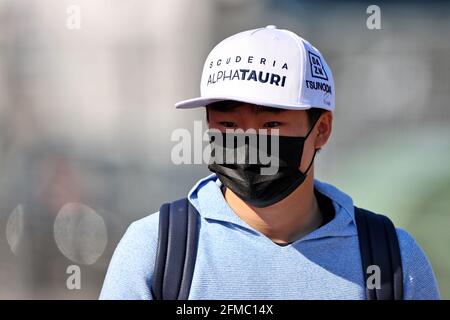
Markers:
(285, 235)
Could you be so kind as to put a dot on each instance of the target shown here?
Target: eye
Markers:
(228, 124)
(272, 124)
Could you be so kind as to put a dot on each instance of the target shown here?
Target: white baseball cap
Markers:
(268, 67)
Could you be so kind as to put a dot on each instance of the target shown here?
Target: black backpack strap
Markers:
(379, 246)
(176, 252)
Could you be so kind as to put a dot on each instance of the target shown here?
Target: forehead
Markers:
(237, 106)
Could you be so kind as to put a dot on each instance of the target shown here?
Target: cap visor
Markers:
(201, 102)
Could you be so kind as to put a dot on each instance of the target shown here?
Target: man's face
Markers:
(238, 115)
(245, 116)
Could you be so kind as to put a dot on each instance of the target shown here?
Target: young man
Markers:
(284, 235)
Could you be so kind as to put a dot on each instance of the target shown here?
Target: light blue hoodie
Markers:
(235, 261)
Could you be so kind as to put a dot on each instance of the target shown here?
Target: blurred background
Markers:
(86, 117)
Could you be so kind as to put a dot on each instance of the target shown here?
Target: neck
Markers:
(285, 221)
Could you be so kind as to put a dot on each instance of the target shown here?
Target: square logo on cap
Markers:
(317, 69)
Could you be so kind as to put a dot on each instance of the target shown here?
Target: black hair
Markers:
(314, 114)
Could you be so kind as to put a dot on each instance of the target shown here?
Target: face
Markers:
(245, 116)
(237, 115)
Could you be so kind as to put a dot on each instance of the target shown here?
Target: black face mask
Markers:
(245, 178)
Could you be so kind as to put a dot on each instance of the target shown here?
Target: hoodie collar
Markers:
(206, 196)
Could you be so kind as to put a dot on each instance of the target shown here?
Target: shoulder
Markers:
(140, 236)
(418, 276)
(130, 269)
(142, 232)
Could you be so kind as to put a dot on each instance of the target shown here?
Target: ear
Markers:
(323, 129)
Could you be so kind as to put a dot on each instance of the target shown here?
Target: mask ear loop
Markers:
(312, 127)
(315, 150)
(312, 160)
